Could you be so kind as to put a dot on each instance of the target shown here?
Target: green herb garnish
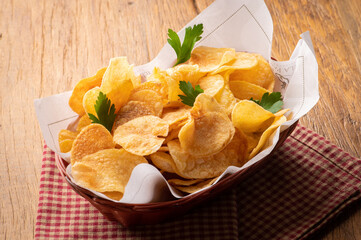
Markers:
(190, 92)
(271, 102)
(183, 51)
(105, 112)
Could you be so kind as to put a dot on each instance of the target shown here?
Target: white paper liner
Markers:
(243, 25)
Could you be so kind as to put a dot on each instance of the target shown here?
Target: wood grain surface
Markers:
(46, 46)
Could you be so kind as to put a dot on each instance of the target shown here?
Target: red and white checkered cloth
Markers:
(306, 183)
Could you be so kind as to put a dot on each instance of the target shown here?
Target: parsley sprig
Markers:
(183, 51)
(105, 112)
(271, 102)
(190, 92)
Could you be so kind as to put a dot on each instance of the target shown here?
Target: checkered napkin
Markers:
(306, 182)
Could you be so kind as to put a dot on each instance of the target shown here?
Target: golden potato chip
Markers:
(106, 170)
(163, 161)
(195, 187)
(209, 59)
(83, 86)
(261, 74)
(66, 145)
(163, 149)
(185, 72)
(91, 139)
(249, 117)
(189, 166)
(174, 116)
(266, 135)
(151, 98)
(114, 195)
(143, 135)
(184, 182)
(208, 131)
(132, 110)
(246, 90)
(242, 60)
(83, 122)
(66, 135)
(118, 81)
(226, 99)
(90, 99)
(207, 134)
(211, 84)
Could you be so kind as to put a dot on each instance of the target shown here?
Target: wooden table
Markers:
(46, 46)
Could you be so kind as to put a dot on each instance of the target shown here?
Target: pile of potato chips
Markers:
(191, 146)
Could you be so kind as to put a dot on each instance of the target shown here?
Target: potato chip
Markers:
(66, 135)
(106, 170)
(91, 139)
(208, 131)
(185, 72)
(209, 59)
(132, 110)
(83, 122)
(175, 116)
(262, 144)
(189, 166)
(242, 60)
(143, 135)
(66, 145)
(211, 84)
(163, 161)
(151, 98)
(226, 99)
(249, 117)
(114, 195)
(261, 74)
(90, 99)
(83, 86)
(184, 182)
(118, 81)
(245, 90)
(195, 187)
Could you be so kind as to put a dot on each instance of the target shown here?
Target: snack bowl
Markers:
(157, 212)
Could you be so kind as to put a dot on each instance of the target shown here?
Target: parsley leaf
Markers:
(190, 92)
(183, 51)
(105, 111)
(271, 102)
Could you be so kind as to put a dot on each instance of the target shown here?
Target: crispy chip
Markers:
(114, 195)
(211, 84)
(90, 99)
(185, 72)
(66, 145)
(150, 97)
(188, 166)
(175, 116)
(143, 135)
(106, 170)
(249, 117)
(194, 187)
(266, 136)
(132, 110)
(209, 59)
(118, 81)
(66, 135)
(83, 122)
(243, 61)
(246, 90)
(91, 139)
(83, 86)
(163, 161)
(261, 74)
(208, 131)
